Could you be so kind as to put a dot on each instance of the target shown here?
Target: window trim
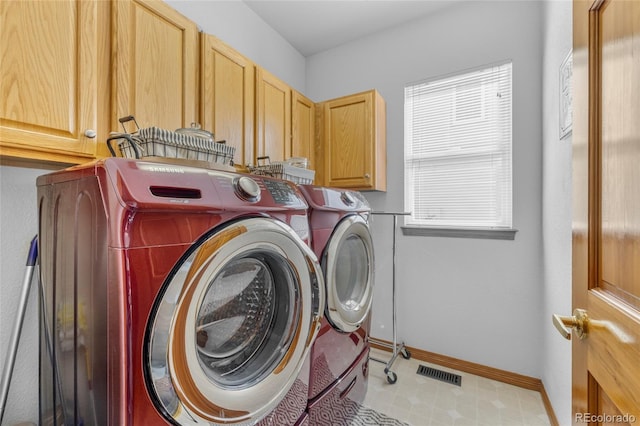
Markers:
(461, 232)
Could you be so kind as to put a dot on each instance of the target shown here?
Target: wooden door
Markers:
(349, 136)
(355, 141)
(273, 116)
(48, 84)
(606, 211)
(303, 128)
(156, 65)
(227, 96)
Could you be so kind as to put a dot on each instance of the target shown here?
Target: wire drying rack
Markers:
(397, 348)
(154, 143)
(283, 170)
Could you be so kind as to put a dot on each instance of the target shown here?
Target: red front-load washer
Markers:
(341, 239)
(174, 295)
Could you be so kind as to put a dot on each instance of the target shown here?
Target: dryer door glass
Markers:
(233, 324)
(352, 272)
(348, 269)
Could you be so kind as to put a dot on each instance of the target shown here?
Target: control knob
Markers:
(347, 198)
(247, 188)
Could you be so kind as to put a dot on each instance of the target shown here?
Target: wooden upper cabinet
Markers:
(155, 61)
(273, 116)
(227, 96)
(48, 84)
(354, 142)
(303, 128)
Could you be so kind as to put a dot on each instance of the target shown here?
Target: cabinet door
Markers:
(303, 128)
(156, 65)
(48, 89)
(355, 148)
(227, 96)
(273, 116)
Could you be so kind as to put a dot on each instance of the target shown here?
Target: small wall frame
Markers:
(566, 109)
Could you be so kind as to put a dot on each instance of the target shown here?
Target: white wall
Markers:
(18, 225)
(476, 300)
(236, 24)
(556, 213)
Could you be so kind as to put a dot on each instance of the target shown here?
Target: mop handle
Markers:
(7, 370)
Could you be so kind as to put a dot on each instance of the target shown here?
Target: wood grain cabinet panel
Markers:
(48, 89)
(71, 69)
(354, 142)
(227, 96)
(156, 65)
(303, 138)
(273, 116)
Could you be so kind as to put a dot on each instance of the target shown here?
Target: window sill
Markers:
(482, 233)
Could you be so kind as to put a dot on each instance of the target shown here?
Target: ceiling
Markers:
(312, 26)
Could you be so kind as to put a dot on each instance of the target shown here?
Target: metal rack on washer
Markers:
(397, 348)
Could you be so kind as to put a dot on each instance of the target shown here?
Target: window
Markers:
(458, 150)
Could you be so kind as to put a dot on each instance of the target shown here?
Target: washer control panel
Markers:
(252, 189)
(282, 192)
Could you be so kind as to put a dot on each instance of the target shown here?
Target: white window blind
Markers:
(458, 150)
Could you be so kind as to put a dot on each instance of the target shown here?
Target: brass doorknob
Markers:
(579, 322)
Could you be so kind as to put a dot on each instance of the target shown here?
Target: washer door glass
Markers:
(348, 268)
(247, 319)
(234, 324)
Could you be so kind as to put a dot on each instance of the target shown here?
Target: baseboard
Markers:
(547, 406)
(503, 376)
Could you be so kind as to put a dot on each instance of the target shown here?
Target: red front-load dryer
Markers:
(341, 239)
(174, 295)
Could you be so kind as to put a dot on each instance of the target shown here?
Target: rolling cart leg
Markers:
(396, 348)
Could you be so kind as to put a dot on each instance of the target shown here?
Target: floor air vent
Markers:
(443, 376)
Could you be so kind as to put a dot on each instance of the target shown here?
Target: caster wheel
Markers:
(405, 353)
(392, 377)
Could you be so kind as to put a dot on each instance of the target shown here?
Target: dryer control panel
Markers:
(334, 199)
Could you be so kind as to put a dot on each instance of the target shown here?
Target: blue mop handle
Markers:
(32, 258)
(7, 371)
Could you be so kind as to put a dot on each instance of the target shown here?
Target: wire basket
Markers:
(157, 142)
(283, 170)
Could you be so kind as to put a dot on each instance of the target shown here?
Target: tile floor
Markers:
(422, 401)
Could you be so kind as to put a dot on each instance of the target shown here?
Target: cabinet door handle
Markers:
(90, 133)
(367, 175)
